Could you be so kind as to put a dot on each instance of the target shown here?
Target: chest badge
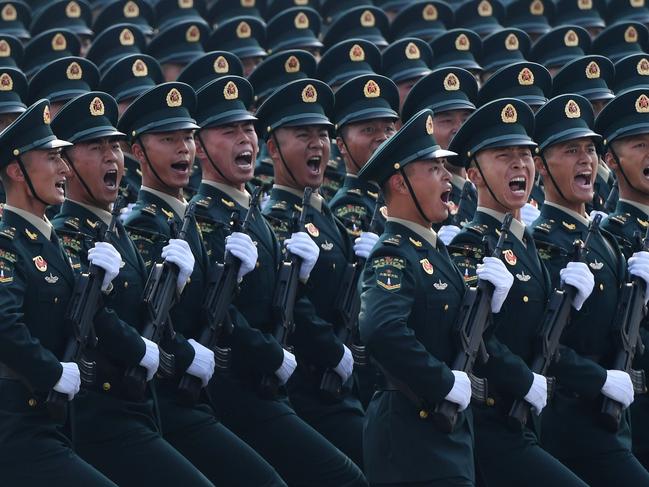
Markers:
(51, 279)
(326, 245)
(596, 265)
(427, 266)
(440, 286)
(31, 235)
(414, 242)
(523, 277)
(40, 263)
(569, 226)
(510, 257)
(312, 229)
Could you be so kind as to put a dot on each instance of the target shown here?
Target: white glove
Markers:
(460, 393)
(303, 246)
(537, 396)
(364, 244)
(529, 214)
(618, 386)
(447, 233)
(578, 275)
(104, 255)
(287, 368)
(346, 365)
(594, 213)
(242, 247)
(70, 380)
(203, 364)
(494, 271)
(639, 266)
(125, 212)
(177, 252)
(151, 359)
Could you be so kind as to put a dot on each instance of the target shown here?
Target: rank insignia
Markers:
(312, 229)
(40, 263)
(388, 272)
(51, 279)
(523, 277)
(427, 266)
(414, 242)
(510, 257)
(440, 286)
(91, 224)
(595, 265)
(31, 235)
(642, 223)
(569, 226)
(326, 245)
(228, 203)
(168, 214)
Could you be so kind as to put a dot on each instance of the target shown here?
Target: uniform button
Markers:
(446, 307)
(32, 402)
(490, 401)
(525, 299)
(106, 386)
(601, 287)
(125, 284)
(189, 279)
(423, 414)
(56, 300)
(257, 264)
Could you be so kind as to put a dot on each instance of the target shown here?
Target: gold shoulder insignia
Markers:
(477, 228)
(31, 235)
(228, 203)
(414, 242)
(569, 226)
(354, 191)
(544, 227)
(373, 195)
(643, 223)
(167, 213)
(91, 224)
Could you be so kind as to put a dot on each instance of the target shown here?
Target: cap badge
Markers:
(9, 13)
(572, 110)
(248, 3)
(537, 8)
(6, 83)
(292, 65)
(367, 19)
(74, 71)
(642, 104)
(412, 51)
(139, 69)
(526, 77)
(462, 43)
(5, 49)
(301, 21)
(185, 3)
(485, 9)
(430, 128)
(592, 70)
(429, 12)
(174, 98)
(230, 91)
(221, 65)
(451, 82)
(371, 89)
(309, 94)
(131, 10)
(72, 10)
(643, 67)
(126, 38)
(46, 115)
(571, 39)
(243, 30)
(585, 4)
(631, 35)
(511, 42)
(508, 114)
(636, 3)
(356, 53)
(193, 34)
(96, 107)
(58, 42)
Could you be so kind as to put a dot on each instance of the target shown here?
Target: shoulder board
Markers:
(279, 205)
(394, 240)
(545, 227)
(150, 209)
(466, 249)
(204, 202)
(620, 219)
(373, 195)
(355, 191)
(72, 222)
(8, 232)
(478, 228)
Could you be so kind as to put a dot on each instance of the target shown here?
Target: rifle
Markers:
(630, 314)
(85, 301)
(557, 315)
(464, 196)
(219, 296)
(284, 298)
(611, 200)
(348, 306)
(160, 294)
(474, 318)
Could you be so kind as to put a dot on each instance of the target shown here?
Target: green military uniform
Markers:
(11, 99)
(36, 283)
(504, 455)
(628, 224)
(408, 281)
(309, 101)
(193, 430)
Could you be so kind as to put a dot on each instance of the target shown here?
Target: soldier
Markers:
(626, 142)
(36, 283)
(242, 36)
(559, 46)
(500, 164)
(73, 15)
(226, 146)
(409, 281)
(503, 48)
(177, 46)
(46, 47)
(457, 48)
(531, 17)
(296, 124)
(294, 28)
(160, 129)
(210, 66)
(422, 20)
(568, 160)
(115, 433)
(138, 13)
(115, 43)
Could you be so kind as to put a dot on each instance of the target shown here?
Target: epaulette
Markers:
(204, 202)
(150, 209)
(279, 205)
(8, 232)
(394, 240)
(478, 228)
(545, 227)
(620, 219)
(355, 191)
(466, 250)
(72, 222)
(642, 223)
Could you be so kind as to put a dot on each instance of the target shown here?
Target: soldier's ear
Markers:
(138, 153)
(540, 167)
(397, 184)
(474, 176)
(13, 172)
(341, 146)
(610, 160)
(200, 150)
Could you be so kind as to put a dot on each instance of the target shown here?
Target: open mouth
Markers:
(110, 179)
(445, 196)
(314, 163)
(584, 179)
(518, 185)
(60, 186)
(645, 172)
(181, 167)
(244, 159)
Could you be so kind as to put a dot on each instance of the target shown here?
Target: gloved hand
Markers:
(447, 233)
(364, 244)
(597, 212)
(287, 368)
(346, 365)
(70, 380)
(578, 275)
(177, 252)
(529, 214)
(104, 255)
(460, 393)
(243, 248)
(639, 266)
(125, 212)
(494, 271)
(618, 386)
(203, 364)
(303, 246)
(151, 359)
(537, 396)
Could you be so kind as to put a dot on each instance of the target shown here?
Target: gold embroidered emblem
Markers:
(126, 38)
(485, 9)
(592, 70)
(537, 8)
(5, 49)
(643, 67)
(292, 64)
(174, 98)
(72, 10)
(508, 114)
(429, 13)
(631, 35)
(585, 4)
(412, 51)
(131, 10)
(46, 115)
(59, 43)
(430, 128)
(221, 65)
(301, 21)
(572, 109)
(74, 71)
(642, 104)
(309, 94)
(371, 89)
(526, 77)
(451, 82)
(243, 30)
(6, 83)
(356, 53)
(96, 107)
(230, 91)
(571, 39)
(193, 34)
(367, 19)
(462, 43)
(511, 42)
(139, 68)
(9, 13)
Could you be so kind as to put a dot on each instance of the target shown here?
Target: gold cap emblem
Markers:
(193, 34)
(185, 3)
(58, 42)
(174, 98)
(430, 128)
(139, 68)
(511, 42)
(412, 51)
(571, 39)
(96, 107)
(636, 3)
(300, 3)
(74, 71)
(631, 35)
(356, 53)
(485, 9)
(451, 82)
(131, 10)
(537, 8)
(642, 104)
(46, 115)
(126, 38)
(526, 77)
(230, 91)
(643, 67)
(221, 65)
(508, 114)
(5, 49)
(301, 21)
(462, 43)
(243, 30)
(292, 65)
(309, 94)
(592, 70)
(429, 12)
(371, 89)
(9, 13)
(6, 83)
(72, 10)
(367, 19)
(585, 4)
(572, 109)
(248, 3)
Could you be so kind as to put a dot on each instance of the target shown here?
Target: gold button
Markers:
(423, 414)
(189, 279)
(490, 401)
(125, 284)
(525, 299)
(106, 386)
(32, 402)
(257, 265)
(601, 287)
(56, 299)
(446, 307)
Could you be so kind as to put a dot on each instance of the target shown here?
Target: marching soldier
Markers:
(495, 145)
(160, 129)
(36, 283)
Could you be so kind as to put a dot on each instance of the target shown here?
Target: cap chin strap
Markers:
(209, 158)
(619, 164)
(349, 153)
(146, 157)
(413, 195)
(281, 156)
(554, 181)
(475, 160)
(28, 180)
(81, 180)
